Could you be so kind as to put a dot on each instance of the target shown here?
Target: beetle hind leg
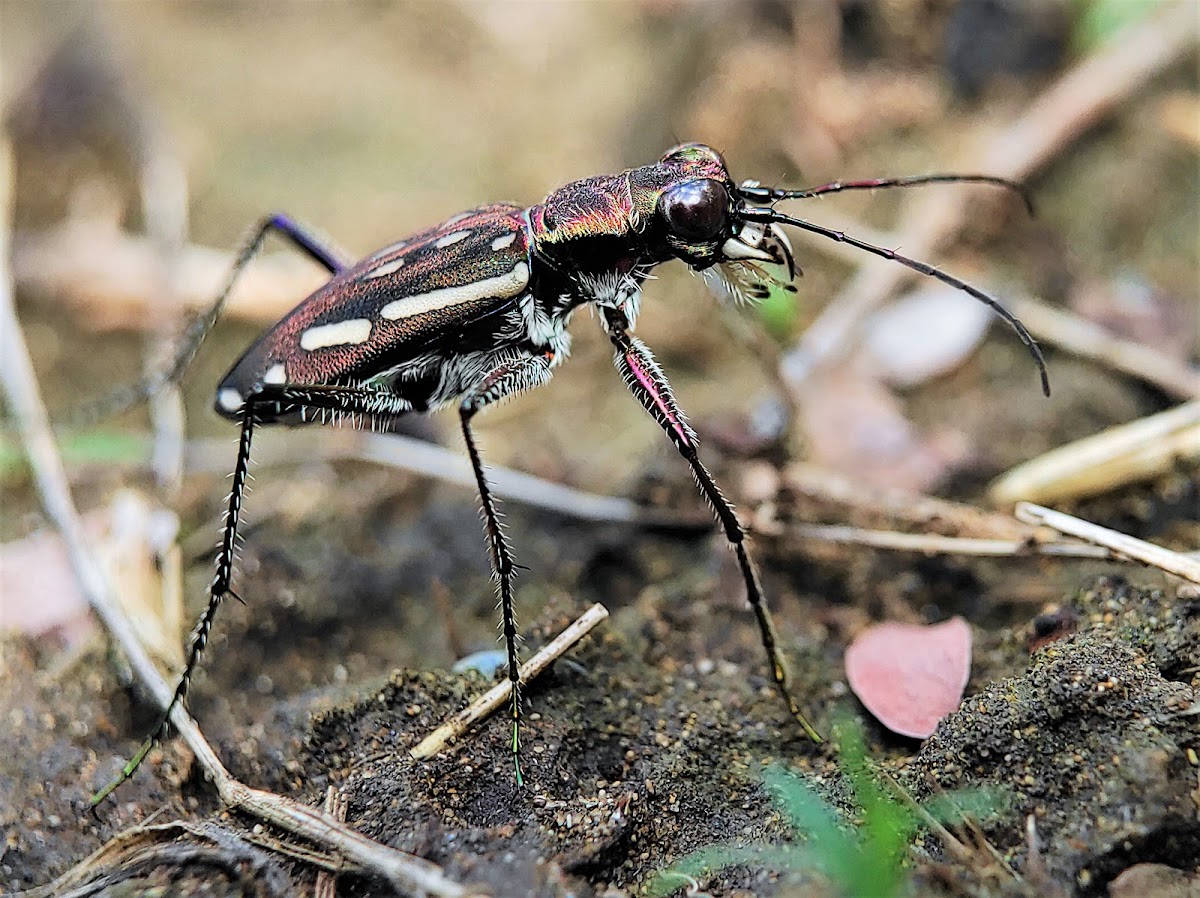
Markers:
(125, 397)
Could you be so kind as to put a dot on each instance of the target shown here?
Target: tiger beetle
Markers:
(475, 310)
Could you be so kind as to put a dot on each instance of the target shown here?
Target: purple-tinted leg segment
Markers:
(307, 242)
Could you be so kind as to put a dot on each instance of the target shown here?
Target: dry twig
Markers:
(1130, 546)
(406, 872)
(814, 493)
(336, 804)
(933, 544)
(130, 853)
(499, 694)
(429, 460)
(953, 845)
(1081, 337)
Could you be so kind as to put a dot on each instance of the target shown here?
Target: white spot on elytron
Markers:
(502, 286)
(384, 270)
(386, 251)
(340, 333)
(451, 239)
(503, 242)
(229, 399)
(455, 219)
(276, 374)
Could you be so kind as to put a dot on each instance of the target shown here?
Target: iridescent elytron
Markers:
(475, 310)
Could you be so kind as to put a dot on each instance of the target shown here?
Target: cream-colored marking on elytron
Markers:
(355, 331)
(384, 270)
(451, 239)
(503, 242)
(229, 399)
(502, 286)
(386, 251)
(276, 374)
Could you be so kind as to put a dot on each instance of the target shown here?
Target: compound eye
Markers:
(696, 210)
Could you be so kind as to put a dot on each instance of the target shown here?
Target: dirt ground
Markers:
(363, 585)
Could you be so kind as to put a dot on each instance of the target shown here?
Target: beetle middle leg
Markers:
(650, 387)
(508, 379)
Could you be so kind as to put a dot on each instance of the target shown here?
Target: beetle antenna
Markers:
(751, 213)
(757, 194)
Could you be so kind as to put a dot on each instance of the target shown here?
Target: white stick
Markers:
(499, 694)
(1138, 549)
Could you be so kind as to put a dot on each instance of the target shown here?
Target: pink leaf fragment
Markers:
(910, 676)
(856, 426)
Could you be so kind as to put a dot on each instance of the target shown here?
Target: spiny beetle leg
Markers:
(305, 239)
(297, 234)
(504, 569)
(650, 387)
(218, 589)
(523, 373)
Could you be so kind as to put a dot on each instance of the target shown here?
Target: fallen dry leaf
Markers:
(910, 676)
(133, 539)
(38, 591)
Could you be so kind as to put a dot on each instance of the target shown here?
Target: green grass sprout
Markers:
(865, 858)
(95, 447)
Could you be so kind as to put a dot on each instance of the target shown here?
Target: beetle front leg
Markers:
(650, 387)
(507, 380)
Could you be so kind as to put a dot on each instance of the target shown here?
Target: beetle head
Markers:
(699, 212)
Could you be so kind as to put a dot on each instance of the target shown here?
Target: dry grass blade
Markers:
(821, 492)
(934, 544)
(406, 872)
(336, 804)
(499, 694)
(430, 460)
(1112, 458)
(1138, 549)
(128, 854)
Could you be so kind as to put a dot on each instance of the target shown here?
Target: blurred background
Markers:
(148, 137)
(372, 120)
